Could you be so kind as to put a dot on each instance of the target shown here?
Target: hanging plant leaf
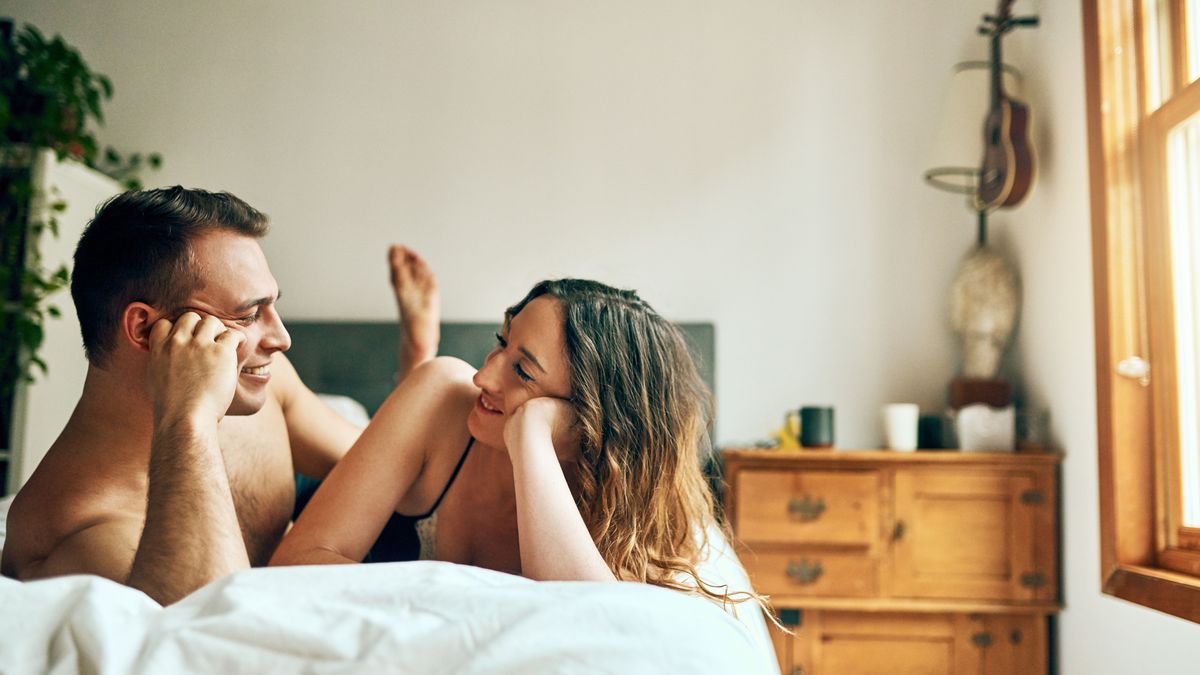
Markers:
(49, 98)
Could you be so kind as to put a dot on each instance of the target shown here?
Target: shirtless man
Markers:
(176, 466)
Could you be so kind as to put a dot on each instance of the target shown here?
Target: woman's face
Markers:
(528, 361)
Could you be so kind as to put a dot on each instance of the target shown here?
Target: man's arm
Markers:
(319, 436)
(191, 534)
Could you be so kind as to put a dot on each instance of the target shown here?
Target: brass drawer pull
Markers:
(805, 571)
(806, 509)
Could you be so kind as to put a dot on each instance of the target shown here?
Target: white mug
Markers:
(900, 425)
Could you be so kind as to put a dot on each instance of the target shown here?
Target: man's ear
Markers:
(136, 322)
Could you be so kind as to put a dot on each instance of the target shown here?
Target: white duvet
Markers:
(416, 617)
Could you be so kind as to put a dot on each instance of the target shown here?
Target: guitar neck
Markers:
(997, 63)
(1002, 23)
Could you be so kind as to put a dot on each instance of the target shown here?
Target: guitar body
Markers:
(1006, 173)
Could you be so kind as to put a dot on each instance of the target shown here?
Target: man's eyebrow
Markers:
(532, 358)
(251, 304)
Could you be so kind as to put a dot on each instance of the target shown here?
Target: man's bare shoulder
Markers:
(78, 494)
(104, 546)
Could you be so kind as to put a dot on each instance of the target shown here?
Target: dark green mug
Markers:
(816, 426)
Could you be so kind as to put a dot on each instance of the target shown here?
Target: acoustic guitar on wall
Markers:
(1006, 173)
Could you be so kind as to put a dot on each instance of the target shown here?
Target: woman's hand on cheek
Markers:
(539, 420)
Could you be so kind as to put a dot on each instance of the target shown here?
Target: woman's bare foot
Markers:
(417, 298)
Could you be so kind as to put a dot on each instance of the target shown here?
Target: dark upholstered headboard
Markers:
(358, 359)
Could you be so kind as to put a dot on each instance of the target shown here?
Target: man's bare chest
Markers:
(258, 462)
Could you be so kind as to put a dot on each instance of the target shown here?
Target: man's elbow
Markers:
(22, 570)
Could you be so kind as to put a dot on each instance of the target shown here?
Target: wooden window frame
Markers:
(1146, 557)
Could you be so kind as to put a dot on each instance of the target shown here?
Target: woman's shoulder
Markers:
(436, 391)
(444, 376)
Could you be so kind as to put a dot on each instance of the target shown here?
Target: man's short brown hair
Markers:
(137, 249)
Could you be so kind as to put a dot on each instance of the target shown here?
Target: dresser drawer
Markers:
(807, 507)
(812, 573)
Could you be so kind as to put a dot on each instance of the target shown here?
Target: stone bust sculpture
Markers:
(984, 301)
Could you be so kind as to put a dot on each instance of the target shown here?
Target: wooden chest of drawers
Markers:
(932, 562)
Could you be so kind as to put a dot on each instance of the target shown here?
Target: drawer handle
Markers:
(805, 571)
(806, 509)
(982, 639)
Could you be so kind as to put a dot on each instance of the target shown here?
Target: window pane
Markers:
(1183, 166)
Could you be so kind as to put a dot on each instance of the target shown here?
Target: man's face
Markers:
(237, 287)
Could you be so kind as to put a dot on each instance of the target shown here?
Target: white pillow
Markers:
(347, 407)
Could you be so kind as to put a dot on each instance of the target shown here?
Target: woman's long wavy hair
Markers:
(644, 418)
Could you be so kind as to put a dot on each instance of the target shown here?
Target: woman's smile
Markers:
(487, 407)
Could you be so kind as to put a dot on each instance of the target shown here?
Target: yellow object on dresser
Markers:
(886, 562)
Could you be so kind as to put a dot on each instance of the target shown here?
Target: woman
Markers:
(573, 454)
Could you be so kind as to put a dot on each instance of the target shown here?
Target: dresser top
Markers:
(788, 457)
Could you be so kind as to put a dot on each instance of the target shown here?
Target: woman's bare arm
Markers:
(555, 542)
(354, 502)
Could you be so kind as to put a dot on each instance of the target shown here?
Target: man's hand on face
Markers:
(193, 367)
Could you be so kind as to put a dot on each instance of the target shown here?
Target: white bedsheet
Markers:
(418, 617)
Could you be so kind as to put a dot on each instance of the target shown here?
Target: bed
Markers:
(418, 617)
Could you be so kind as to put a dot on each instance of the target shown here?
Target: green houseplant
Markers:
(49, 98)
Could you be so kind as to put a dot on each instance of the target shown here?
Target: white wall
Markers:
(1051, 237)
(755, 163)
(42, 407)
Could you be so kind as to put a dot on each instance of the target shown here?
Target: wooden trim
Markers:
(1143, 73)
(1180, 560)
(1125, 466)
(1176, 110)
(1129, 514)
(1046, 550)
(1167, 441)
(1169, 592)
(1189, 538)
(1097, 189)
(1160, 298)
(1179, 60)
